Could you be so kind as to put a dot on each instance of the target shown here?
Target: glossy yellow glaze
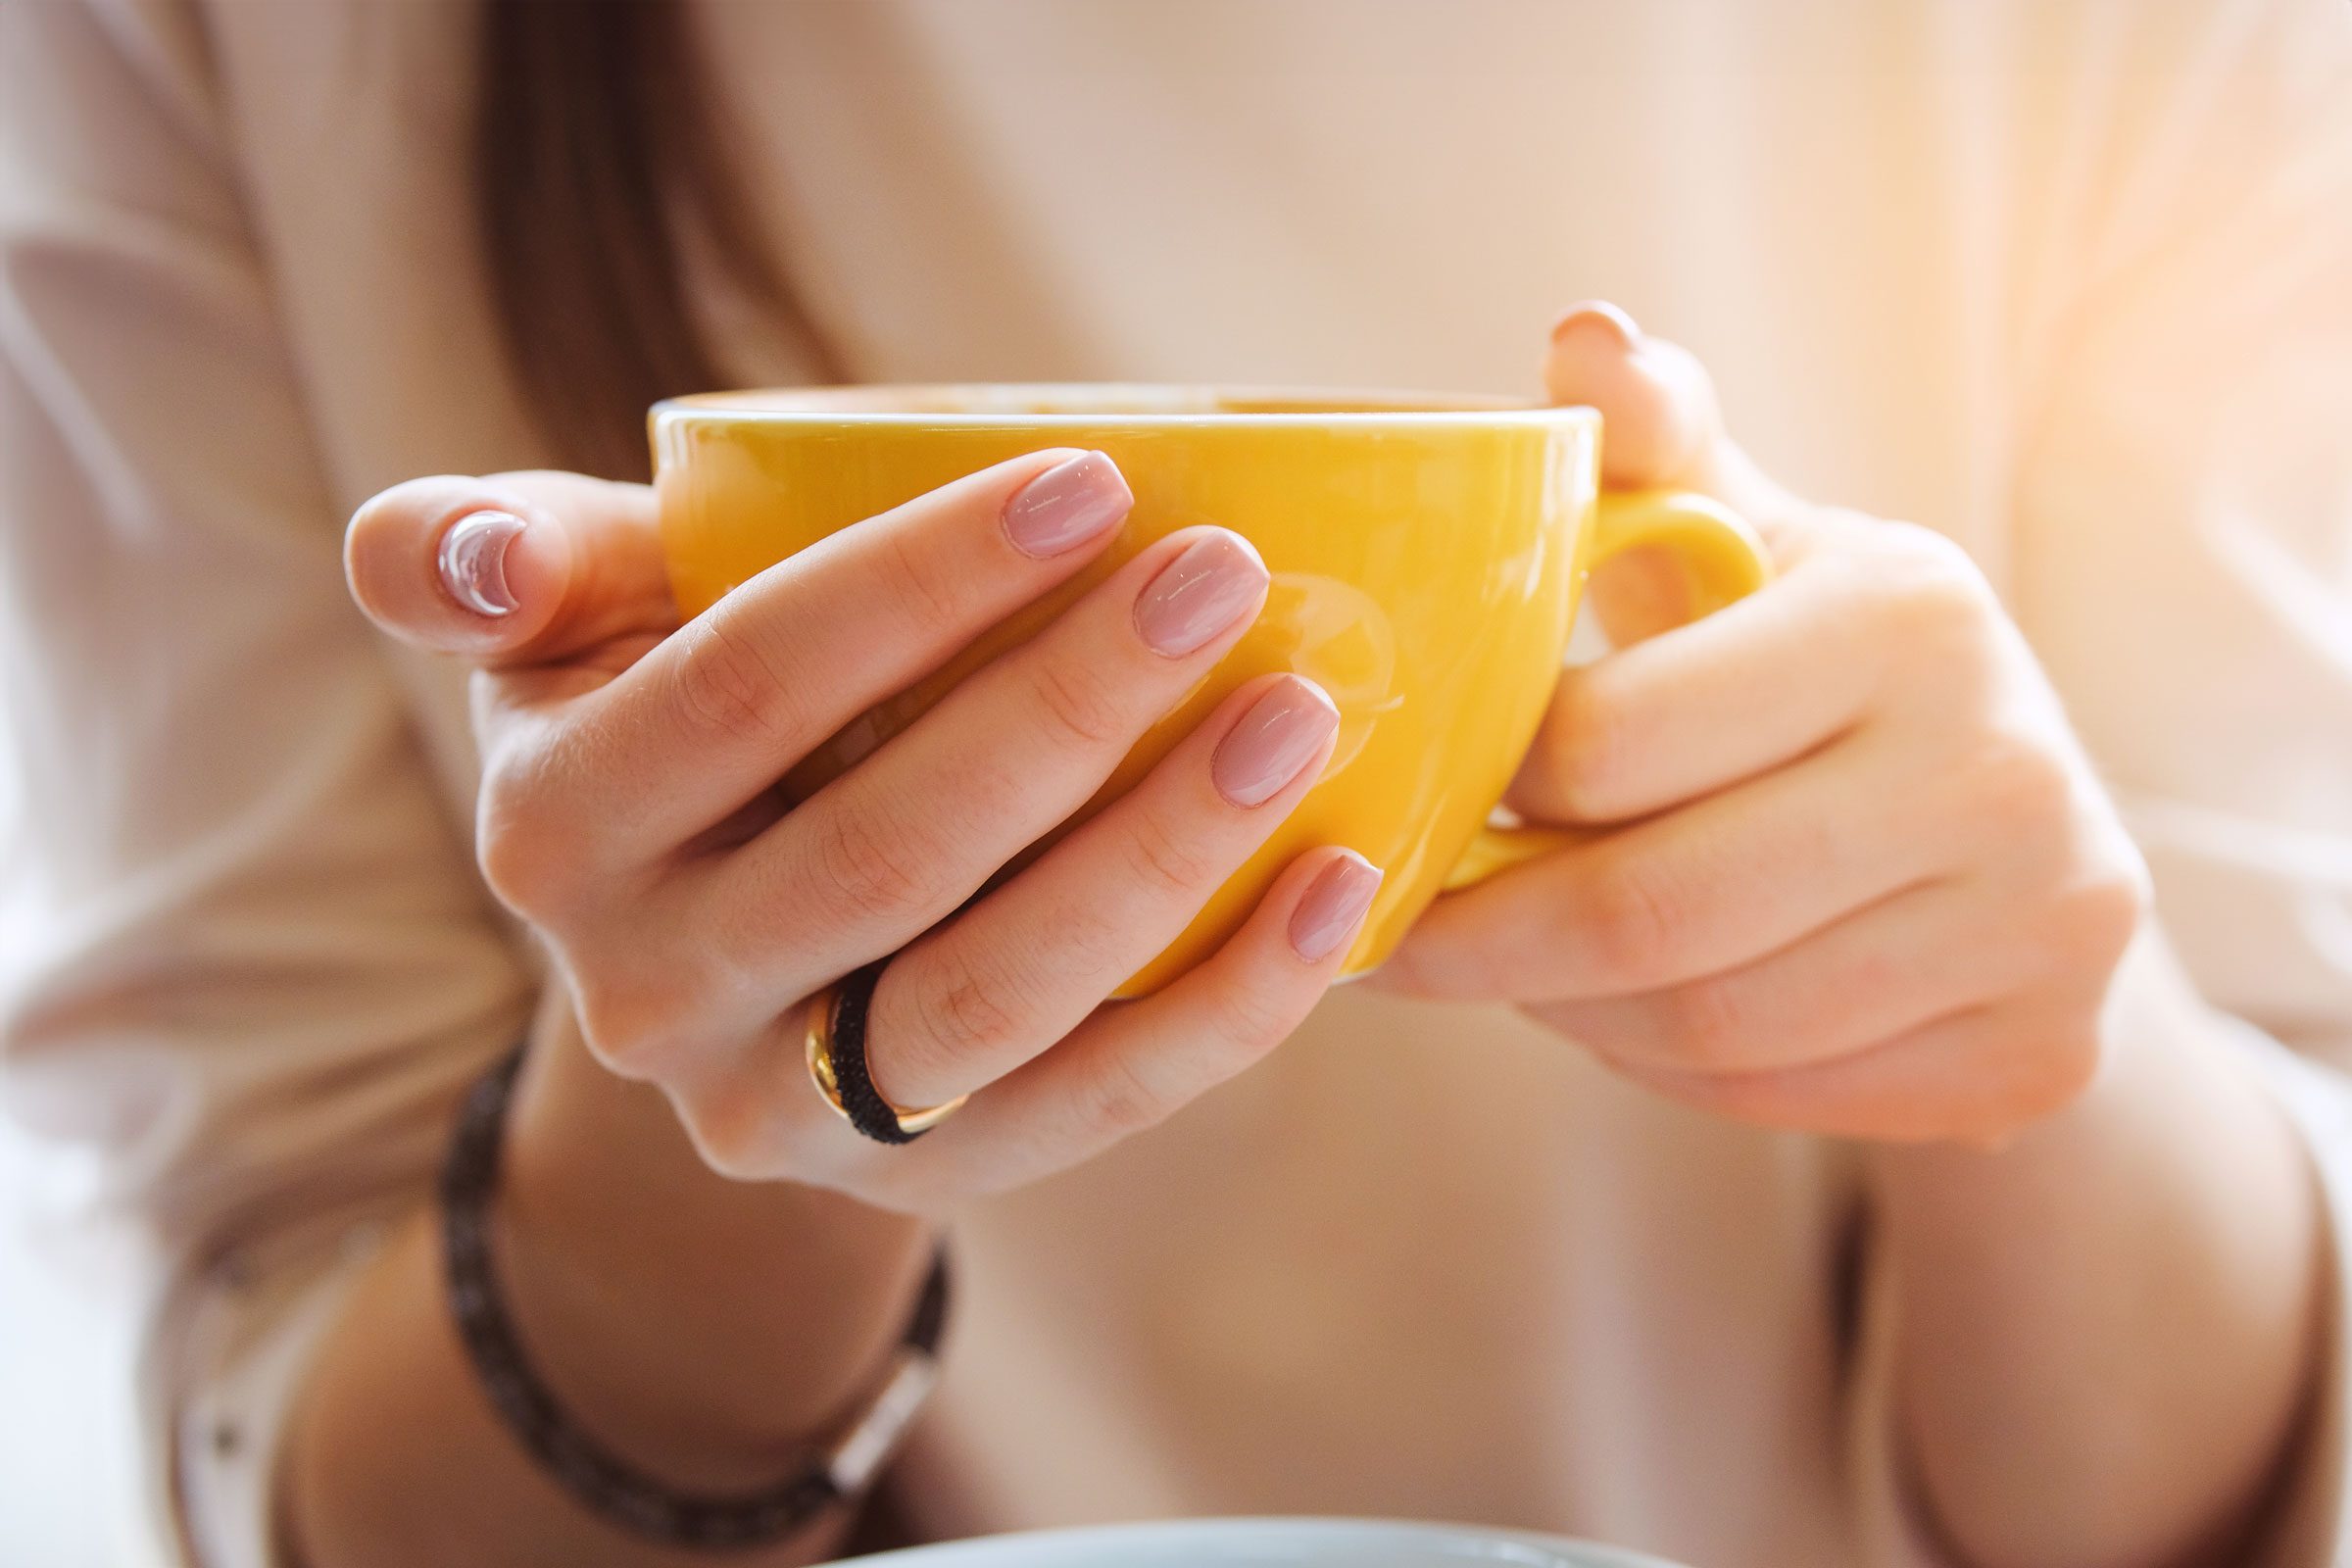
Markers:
(1427, 554)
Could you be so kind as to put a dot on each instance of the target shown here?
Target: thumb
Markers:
(1661, 423)
(515, 568)
(1660, 420)
(1661, 427)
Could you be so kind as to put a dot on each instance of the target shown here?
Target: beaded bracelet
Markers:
(600, 1479)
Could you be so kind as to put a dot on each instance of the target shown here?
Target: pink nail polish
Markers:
(1269, 745)
(1602, 314)
(1333, 907)
(1203, 592)
(1065, 506)
(473, 560)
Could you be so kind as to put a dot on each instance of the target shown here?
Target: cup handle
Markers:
(1726, 561)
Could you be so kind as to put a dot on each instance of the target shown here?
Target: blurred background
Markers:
(64, 1351)
(55, 1345)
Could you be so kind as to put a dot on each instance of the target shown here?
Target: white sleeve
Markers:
(250, 966)
(2181, 559)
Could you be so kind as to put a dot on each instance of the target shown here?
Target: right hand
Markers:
(631, 810)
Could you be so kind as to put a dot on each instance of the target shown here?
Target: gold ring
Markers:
(861, 1105)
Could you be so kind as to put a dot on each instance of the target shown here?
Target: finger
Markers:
(1661, 427)
(516, 568)
(1878, 973)
(1867, 616)
(1016, 971)
(1977, 1077)
(1657, 404)
(1132, 1065)
(1662, 423)
(1757, 684)
(1718, 883)
(1125, 1067)
(892, 846)
(724, 708)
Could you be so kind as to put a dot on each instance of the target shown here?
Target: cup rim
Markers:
(1305, 1539)
(1141, 404)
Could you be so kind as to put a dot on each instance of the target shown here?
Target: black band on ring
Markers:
(861, 1101)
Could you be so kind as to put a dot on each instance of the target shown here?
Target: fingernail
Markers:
(1215, 582)
(1602, 314)
(1333, 907)
(1067, 505)
(473, 560)
(1280, 735)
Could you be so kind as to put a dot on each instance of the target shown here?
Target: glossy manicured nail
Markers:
(1203, 592)
(1270, 744)
(474, 562)
(1067, 505)
(1333, 907)
(1602, 314)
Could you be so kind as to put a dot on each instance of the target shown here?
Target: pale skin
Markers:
(1848, 873)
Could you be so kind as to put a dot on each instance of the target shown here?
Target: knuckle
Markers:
(1708, 1023)
(1932, 596)
(1585, 743)
(1163, 859)
(1133, 1089)
(868, 869)
(991, 792)
(627, 1023)
(2018, 788)
(1634, 922)
(525, 859)
(518, 867)
(1128, 1091)
(1121, 1100)
(2094, 921)
(970, 1017)
(1093, 943)
(959, 1013)
(1929, 572)
(921, 585)
(1249, 1021)
(2044, 1062)
(728, 685)
(732, 1134)
(1079, 705)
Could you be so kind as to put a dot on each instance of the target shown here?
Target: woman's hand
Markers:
(629, 809)
(1850, 871)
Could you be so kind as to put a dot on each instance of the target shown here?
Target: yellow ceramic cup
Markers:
(1427, 553)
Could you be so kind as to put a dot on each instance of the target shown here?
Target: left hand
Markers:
(1856, 877)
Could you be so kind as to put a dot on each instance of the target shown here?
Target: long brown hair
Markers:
(600, 167)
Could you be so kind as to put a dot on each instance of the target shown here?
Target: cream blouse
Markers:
(2067, 279)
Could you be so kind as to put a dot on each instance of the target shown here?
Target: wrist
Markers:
(705, 1328)
(2039, 1298)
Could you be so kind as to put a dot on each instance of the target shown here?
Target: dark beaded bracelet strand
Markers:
(593, 1474)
